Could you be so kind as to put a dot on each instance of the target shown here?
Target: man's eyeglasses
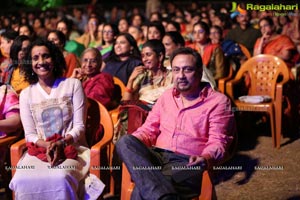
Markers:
(186, 69)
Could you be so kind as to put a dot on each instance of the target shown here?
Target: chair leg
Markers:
(278, 122)
(273, 130)
(206, 187)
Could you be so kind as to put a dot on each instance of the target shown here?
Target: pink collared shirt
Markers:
(205, 129)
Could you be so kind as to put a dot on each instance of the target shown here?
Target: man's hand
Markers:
(197, 160)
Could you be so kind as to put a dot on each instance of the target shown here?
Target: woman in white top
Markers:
(51, 107)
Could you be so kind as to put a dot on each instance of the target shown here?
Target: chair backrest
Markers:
(122, 86)
(222, 81)
(264, 71)
(245, 51)
(99, 125)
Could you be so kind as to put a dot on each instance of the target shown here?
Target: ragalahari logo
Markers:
(237, 10)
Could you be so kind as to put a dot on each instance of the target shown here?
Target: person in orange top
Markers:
(15, 74)
(272, 43)
(212, 54)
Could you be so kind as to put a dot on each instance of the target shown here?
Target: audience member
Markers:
(53, 116)
(10, 125)
(172, 40)
(155, 31)
(97, 85)
(149, 81)
(6, 40)
(292, 29)
(124, 57)
(244, 33)
(59, 39)
(10, 121)
(123, 25)
(161, 142)
(155, 16)
(212, 54)
(109, 33)
(273, 43)
(39, 27)
(137, 34)
(173, 26)
(66, 26)
(90, 33)
(28, 31)
(15, 76)
(137, 20)
(98, 39)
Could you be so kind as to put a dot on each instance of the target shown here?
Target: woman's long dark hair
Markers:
(135, 53)
(15, 48)
(56, 55)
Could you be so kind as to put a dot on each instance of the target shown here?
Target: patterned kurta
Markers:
(62, 111)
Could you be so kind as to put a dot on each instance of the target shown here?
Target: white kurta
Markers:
(63, 111)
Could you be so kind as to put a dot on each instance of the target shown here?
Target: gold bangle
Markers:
(128, 90)
(63, 141)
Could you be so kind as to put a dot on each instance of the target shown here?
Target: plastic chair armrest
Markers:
(7, 140)
(16, 152)
(114, 114)
(230, 87)
(95, 161)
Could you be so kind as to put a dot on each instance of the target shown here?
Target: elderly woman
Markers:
(53, 113)
(97, 85)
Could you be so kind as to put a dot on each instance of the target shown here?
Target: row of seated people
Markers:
(207, 41)
(210, 51)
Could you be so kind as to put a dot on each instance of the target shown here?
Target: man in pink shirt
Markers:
(189, 129)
